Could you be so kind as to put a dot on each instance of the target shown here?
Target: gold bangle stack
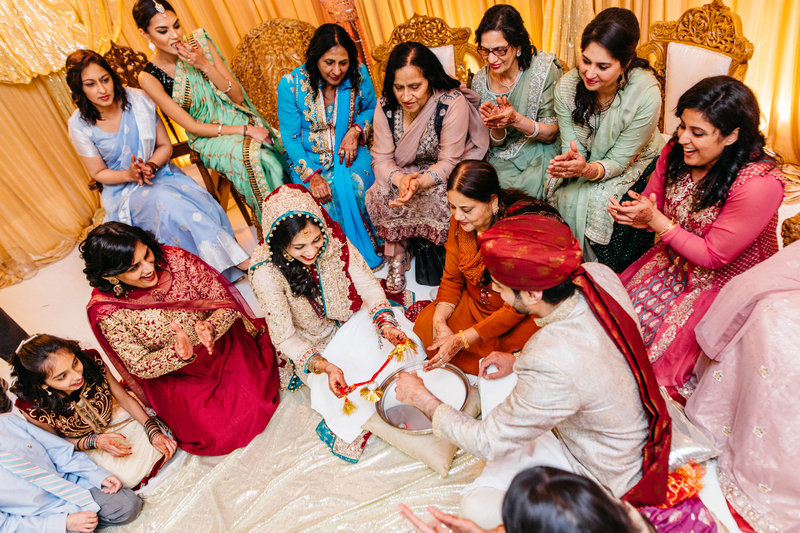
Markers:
(669, 227)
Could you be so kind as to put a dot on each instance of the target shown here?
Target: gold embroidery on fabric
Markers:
(760, 518)
(561, 312)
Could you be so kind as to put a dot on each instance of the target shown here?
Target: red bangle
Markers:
(318, 171)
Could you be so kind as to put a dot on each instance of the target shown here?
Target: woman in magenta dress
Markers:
(713, 201)
(182, 337)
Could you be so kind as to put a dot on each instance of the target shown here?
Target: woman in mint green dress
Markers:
(516, 89)
(608, 109)
(191, 83)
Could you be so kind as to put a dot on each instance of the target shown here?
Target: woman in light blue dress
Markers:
(325, 110)
(124, 145)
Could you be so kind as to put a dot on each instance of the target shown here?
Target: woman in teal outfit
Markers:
(516, 89)
(325, 108)
(608, 109)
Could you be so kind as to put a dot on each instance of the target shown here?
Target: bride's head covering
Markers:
(341, 299)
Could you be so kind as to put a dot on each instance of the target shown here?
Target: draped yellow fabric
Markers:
(35, 37)
(44, 199)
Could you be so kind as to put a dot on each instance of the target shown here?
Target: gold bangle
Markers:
(600, 171)
(463, 338)
(669, 227)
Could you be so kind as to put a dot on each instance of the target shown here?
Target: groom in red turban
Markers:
(584, 375)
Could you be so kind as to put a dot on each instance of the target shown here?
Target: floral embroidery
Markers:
(764, 488)
(718, 375)
(758, 432)
(764, 371)
(726, 430)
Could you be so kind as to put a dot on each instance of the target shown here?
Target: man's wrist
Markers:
(427, 403)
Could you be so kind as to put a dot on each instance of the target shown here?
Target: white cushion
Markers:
(447, 57)
(686, 65)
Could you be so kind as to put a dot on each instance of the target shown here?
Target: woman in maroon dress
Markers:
(182, 337)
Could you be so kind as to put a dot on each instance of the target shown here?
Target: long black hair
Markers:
(507, 20)
(326, 37)
(145, 10)
(478, 180)
(31, 369)
(108, 251)
(617, 30)
(549, 500)
(76, 62)
(420, 56)
(727, 104)
(299, 277)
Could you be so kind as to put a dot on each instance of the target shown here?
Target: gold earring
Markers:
(119, 290)
(286, 256)
(495, 209)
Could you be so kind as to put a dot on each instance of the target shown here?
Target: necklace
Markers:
(510, 86)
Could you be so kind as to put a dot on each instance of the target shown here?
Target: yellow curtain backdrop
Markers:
(43, 194)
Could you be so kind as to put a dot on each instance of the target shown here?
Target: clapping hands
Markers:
(638, 212)
(569, 165)
(407, 184)
(498, 115)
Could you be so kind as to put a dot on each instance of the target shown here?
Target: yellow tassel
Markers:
(349, 407)
(399, 351)
(371, 395)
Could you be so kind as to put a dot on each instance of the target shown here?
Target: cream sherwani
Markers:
(571, 379)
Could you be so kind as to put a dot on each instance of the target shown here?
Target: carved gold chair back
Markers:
(128, 63)
(704, 41)
(449, 44)
(267, 53)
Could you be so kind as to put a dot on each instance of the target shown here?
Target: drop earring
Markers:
(151, 46)
(288, 257)
(119, 290)
(519, 53)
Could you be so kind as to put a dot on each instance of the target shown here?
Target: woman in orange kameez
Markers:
(468, 320)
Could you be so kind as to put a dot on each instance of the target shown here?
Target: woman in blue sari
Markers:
(125, 147)
(325, 109)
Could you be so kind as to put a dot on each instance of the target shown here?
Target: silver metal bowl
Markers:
(408, 417)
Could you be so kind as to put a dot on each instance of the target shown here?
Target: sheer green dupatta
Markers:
(255, 169)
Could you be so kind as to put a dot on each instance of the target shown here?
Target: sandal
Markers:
(396, 277)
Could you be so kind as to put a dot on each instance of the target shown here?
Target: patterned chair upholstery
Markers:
(451, 45)
(128, 63)
(705, 41)
(267, 53)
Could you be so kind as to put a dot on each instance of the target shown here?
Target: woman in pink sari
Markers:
(713, 201)
(424, 124)
(746, 400)
(182, 337)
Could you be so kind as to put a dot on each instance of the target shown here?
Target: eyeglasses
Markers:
(500, 51)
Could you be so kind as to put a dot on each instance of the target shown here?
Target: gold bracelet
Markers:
(669, 227)
(600, 171)
(463, 338)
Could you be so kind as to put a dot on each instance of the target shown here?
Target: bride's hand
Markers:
(394, 335)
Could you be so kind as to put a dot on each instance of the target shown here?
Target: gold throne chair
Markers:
(267, 53)
(705, 41)
(458, 56)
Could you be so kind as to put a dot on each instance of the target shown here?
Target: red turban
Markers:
(534, 253)
(530, 252)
